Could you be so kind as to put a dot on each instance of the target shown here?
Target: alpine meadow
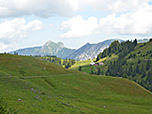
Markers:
(75, 57)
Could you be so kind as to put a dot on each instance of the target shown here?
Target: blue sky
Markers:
(28, 23)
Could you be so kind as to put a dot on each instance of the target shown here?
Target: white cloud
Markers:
(17, 28)
(138, 22)
(51, 25)
(13, 31)
(42, 8)
(112, 5)
(3, 46)
(47, 8)
(6, 47)
(78, 27)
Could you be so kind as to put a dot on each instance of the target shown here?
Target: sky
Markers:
(29, 23)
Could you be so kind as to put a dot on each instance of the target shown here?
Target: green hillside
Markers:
(86, 67)
(15, 65)
(127, 59)
(32, 86)
(80, 63)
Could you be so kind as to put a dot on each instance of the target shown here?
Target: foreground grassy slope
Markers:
(64, 91)
(15, 65)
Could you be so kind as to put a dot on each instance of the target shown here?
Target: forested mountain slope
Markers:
(134, 61)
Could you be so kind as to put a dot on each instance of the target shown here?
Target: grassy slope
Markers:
(62, 91)
(80, 63)
(86, 64)
(26, 66)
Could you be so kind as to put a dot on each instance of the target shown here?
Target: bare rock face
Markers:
(19, 100)
(90, 51)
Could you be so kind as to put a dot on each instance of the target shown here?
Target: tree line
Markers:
(67, 63)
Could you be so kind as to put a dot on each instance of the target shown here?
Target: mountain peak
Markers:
(57, 49)
(49, 42)
(87, 43)
(61, 44)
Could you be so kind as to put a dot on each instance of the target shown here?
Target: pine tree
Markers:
(130, 70)
(80, 68)
(121, 72)
(148, 64)
(139, 61)
(73, 62)
(143, 73)
(135, 42)
(133, 73)
(99, 71)
(149, 76)
(137, 69)
(109, 69)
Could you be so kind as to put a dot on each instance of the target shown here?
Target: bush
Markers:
(4, 108)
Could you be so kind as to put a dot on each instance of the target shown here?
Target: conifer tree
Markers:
(130, 70)
(135, 42)
(148, 64)
(137, 69)
(149, 76)
(80, 68)
(99, 71)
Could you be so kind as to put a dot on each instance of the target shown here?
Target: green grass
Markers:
(58, 90)
(26, 66)
(80, 63)
(109, 59)
(86, 64)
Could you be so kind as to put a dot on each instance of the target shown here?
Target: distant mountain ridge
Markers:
(49, 48)
(142, 40)
(90, 51)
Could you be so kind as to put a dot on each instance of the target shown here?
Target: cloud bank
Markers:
(12, 31)
(138, 22)
(48, 8)
(78, 27)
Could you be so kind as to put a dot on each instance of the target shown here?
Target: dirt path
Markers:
(30, 77)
